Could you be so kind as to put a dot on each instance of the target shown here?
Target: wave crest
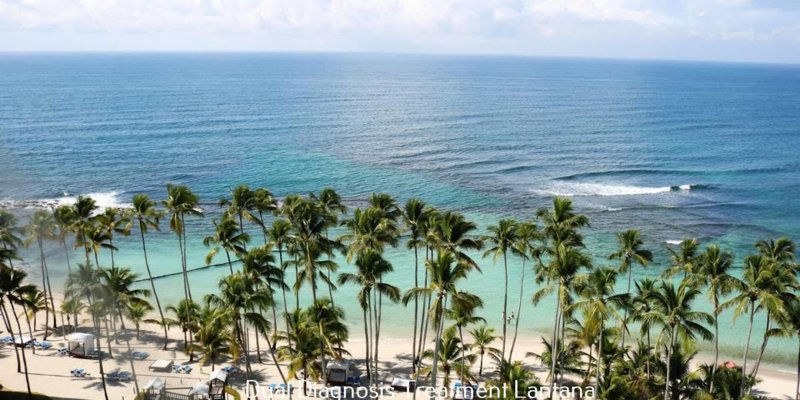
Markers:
(103, 200)
(599, 189)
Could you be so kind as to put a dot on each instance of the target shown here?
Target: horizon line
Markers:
(393, 53)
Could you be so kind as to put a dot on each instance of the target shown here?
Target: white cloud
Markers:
(515, 26)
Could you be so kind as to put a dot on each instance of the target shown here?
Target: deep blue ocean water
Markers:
(673, 149)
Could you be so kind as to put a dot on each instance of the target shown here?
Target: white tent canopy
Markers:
(155, 383)
(200, 388)
(21, 340)
(80, 343)
(219, 375)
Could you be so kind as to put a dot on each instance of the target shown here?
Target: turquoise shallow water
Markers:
(672, 149)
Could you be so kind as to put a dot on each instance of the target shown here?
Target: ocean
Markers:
(674, 149)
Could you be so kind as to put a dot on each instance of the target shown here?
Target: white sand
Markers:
(49, 372)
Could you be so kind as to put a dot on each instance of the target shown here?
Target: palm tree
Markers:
(630, 252)
(264, 202)
(415, 215)
(302, 348)
(9, 233)
(558, 276)
(114, 221)
(12, 291)
(181, 202)
(144, 210)
(503, 238)
(64, 218)
(186, 315)
(279, 237)
(136, 313)
(641, 305)
(41, 227)
(34, 302)
(789, 321)
(781, 253)
(672, 310)
(482, 338)
(600, 304)
(229, 237)
(214, 336)
(450, 353)
(118, 296)
(445, 272)
(331, 204)
(259, 266)
(526, 234)
(714, 265)
(85, 282)
(462, 313)
(760, 288)
(450, 232)
(72, 307)
(684, 260)
(83, 222)
(242, 202)
(370, 269)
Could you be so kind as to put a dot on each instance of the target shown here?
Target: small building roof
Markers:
(218, 375)
(155, 383)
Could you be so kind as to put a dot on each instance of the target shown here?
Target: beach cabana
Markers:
(341, 373)
(200, 389)
(22, 340)
(216, 385)
(161, 365)
(80, 344)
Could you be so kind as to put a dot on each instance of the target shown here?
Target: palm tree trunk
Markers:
(480, 367)
(461, 338)
(505, 303)
(599, 361)
(554, 344)
(375, 334)
(24, 359)
(188, 287)
(763, 346)
(366, 341)
(230, 264)
(747, 346)
(7, 323)
(716, 344)
(152, 283)
(44, 289)
(439, 329)
(28, 322)
(416, 311)
(519, 311)
(669, 362)
(625, 317)
(130, 355)
(425, 316)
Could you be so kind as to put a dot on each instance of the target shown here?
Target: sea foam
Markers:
(561, 188)
(102, 200)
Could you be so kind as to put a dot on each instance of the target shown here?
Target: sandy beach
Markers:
(50, 372)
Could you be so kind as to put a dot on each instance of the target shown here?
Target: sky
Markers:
(714, 30)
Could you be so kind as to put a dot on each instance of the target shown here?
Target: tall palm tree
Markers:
(114, 221)
(136, 313)
(72, 307)
(789, 322)
(146, 214)
(482, 338)
(599, 303)
(83, 215)
(558, 275)
(41, 227)
(641, 305)
(415, 215)
(12, 291)
(462, 313)
(781, 254)
(259, 265)
(714, 267)
(331, 204)
(214, 336)
(445, 271)
(186, 317)
(760, 288)
(85, 282)
(241, 205)
(228, 236)
(672, 310)
(451, 356)
(302, 348)
(309, 222)
(630, 252)
(118, 296)
(526, 234)
(451, 232)
(371, 267)
(34, 302)
(263, 202)
(503, 238)
(180, 202)
(684, 259)
(279, 235)
(63, 218)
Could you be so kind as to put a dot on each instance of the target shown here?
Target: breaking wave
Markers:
(599, 189)
(102, 200)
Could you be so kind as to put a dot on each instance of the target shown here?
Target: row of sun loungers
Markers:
(139, 355)
(119, 376)
(186, 368)
(78, 372)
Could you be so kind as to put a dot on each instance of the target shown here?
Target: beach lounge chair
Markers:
(187, 368)
(6, 339)
(78, 372)
(63, 351)
(45, 345)
(176, 368)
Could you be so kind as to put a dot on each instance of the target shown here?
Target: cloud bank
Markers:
(746, 30)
